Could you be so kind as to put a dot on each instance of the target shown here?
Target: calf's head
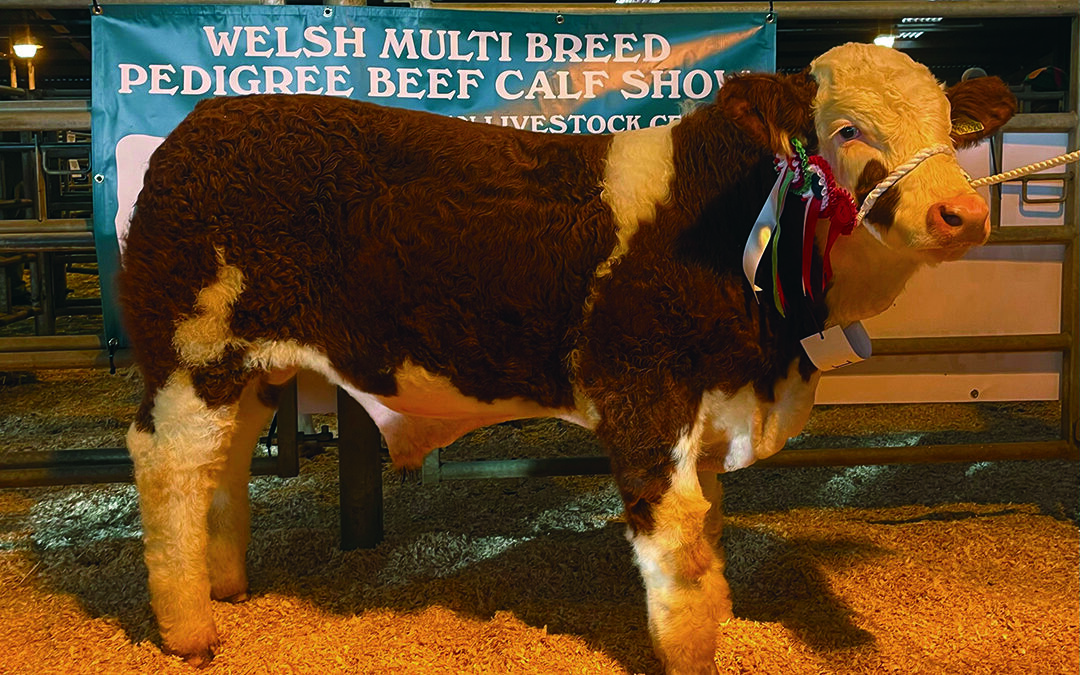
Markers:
(875, 109)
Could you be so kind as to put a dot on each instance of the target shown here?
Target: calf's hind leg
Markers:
(230, 512)
(178, 445)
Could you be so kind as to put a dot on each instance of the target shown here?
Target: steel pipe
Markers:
(77, 467)
(851, 9)
(44, 115)
(360, 475)
(58, 360)
(45, 343)
(26, 226)
(1028, 122)
(805, 9)
(1035, 234)
(112, 465)
(922, 454)
(982, 344)
(46, 241)
(925, 454)
(524, 468)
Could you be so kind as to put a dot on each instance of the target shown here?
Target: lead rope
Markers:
(1025, 170)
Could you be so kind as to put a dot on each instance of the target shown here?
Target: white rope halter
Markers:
(923, 154)
(898, 173)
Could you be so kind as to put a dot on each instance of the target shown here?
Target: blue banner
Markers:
(541, 71)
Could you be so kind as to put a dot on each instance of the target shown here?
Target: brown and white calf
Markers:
(452, 275)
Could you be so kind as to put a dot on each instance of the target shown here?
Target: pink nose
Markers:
(959, 220)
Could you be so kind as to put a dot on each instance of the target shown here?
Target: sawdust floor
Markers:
(957, 568)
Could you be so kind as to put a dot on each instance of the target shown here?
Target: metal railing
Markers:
(42, 233)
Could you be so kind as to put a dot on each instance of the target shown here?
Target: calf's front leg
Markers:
(673, 534)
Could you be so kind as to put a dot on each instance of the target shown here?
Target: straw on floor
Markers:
(959, 568)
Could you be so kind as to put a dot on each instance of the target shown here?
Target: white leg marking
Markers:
(686, 591)
(176, 471)
(741, 429)
(230, 513)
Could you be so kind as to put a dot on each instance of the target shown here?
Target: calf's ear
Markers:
(979, 108)
(771, 109)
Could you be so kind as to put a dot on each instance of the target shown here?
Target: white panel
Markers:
(941, 378)
(314, 395)
(956, 388)
(976, 161)
(1023, 149)
(984, 294)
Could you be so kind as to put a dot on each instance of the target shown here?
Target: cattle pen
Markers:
(928, 452)
(43, 238)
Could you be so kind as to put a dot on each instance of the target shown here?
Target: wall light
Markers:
(885, 40)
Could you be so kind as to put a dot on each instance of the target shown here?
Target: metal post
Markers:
(41, 209)
(431, 471)
(360, 472)
(1070, 270)
(288, 432)
(42, 293)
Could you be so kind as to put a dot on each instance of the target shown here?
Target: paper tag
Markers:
(838, 347)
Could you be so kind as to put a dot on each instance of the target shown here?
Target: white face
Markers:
(876, 108)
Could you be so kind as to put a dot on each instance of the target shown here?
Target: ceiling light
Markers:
(26, 50)
(885, 40)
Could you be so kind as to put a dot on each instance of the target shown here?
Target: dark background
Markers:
(1011, 48)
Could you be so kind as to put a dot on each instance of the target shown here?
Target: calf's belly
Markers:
(427, 412)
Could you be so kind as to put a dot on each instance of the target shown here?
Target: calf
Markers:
(452, 275)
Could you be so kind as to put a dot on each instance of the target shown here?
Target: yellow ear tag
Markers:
(962, 126)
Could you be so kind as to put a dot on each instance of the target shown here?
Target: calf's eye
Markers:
(847, 133)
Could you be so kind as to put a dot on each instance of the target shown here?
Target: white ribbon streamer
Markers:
(759, 237)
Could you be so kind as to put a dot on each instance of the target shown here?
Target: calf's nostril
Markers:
(952, 219)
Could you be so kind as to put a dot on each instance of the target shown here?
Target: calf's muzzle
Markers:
(959, 221)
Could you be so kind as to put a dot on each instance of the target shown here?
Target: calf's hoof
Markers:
(705, 667)
(688, 658)
(235, 598)
(229, 590)
(198, 653)
(200, 660)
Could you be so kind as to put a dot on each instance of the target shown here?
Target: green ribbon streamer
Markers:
(775, 241)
